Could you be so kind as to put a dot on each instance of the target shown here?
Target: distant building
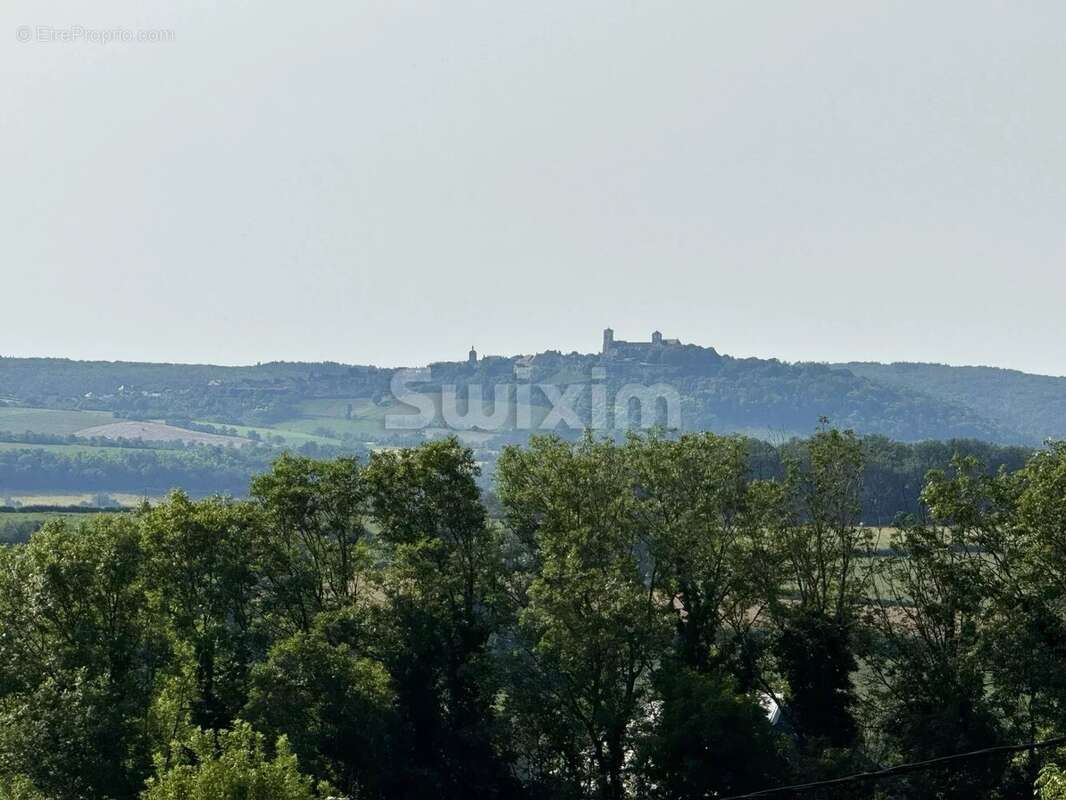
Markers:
(471, 357)
(616, 348)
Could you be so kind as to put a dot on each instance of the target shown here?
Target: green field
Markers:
(50, 421)
(317, 427)
(292, 438)
(44, 497)
(17, 517)
(368, 418)
(337, 407)
(331, 414)
(881, 538)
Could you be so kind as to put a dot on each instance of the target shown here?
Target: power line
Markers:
(899, 769)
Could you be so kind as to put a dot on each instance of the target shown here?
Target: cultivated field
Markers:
(67, 498)
(290, 437)
(157, 432)
(331, 415)
(50, 421)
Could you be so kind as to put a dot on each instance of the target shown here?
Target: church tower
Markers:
(471, 357)
(608, 341)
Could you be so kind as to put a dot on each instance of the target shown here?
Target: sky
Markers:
(391, 182)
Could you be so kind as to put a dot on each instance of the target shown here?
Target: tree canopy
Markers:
(647, 618)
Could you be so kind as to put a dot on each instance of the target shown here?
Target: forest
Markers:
(761, 397)
(134, 467)
(649, 618)
(893, 472)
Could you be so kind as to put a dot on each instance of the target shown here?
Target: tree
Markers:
(709, 529)
(707, 740)
(1012, 524)
(335, 707)
(19, 787)
(1051, 783)
(815, 644)
(593, 622)
(929, 669)
(313, 549)
(201, 576)
(442, 592)
(230, 764)
(79, 654)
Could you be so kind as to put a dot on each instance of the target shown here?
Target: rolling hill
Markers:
(340, 403)
(79, 430)
(1033, 406)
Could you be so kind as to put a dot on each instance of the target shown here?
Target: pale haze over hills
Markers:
(388, 183)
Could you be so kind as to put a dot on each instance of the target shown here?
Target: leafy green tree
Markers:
(930, 671)
(817, 661)
(335, 707)
(79, 653)
(1028, 631)
(68, 739)
(313, 551)
(201, 578)
(594, 623)
(1051, 783)
(1041, 505)
(709, 529)
(230, 764)
(607, 637)
(707, 740)
(825, 539)
(1014, 521)
(442, 592)
(19, 787)
(815, 643)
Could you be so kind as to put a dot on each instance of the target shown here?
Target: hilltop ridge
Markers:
(766, 398)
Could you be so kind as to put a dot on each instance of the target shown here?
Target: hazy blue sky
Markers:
(390, 182)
